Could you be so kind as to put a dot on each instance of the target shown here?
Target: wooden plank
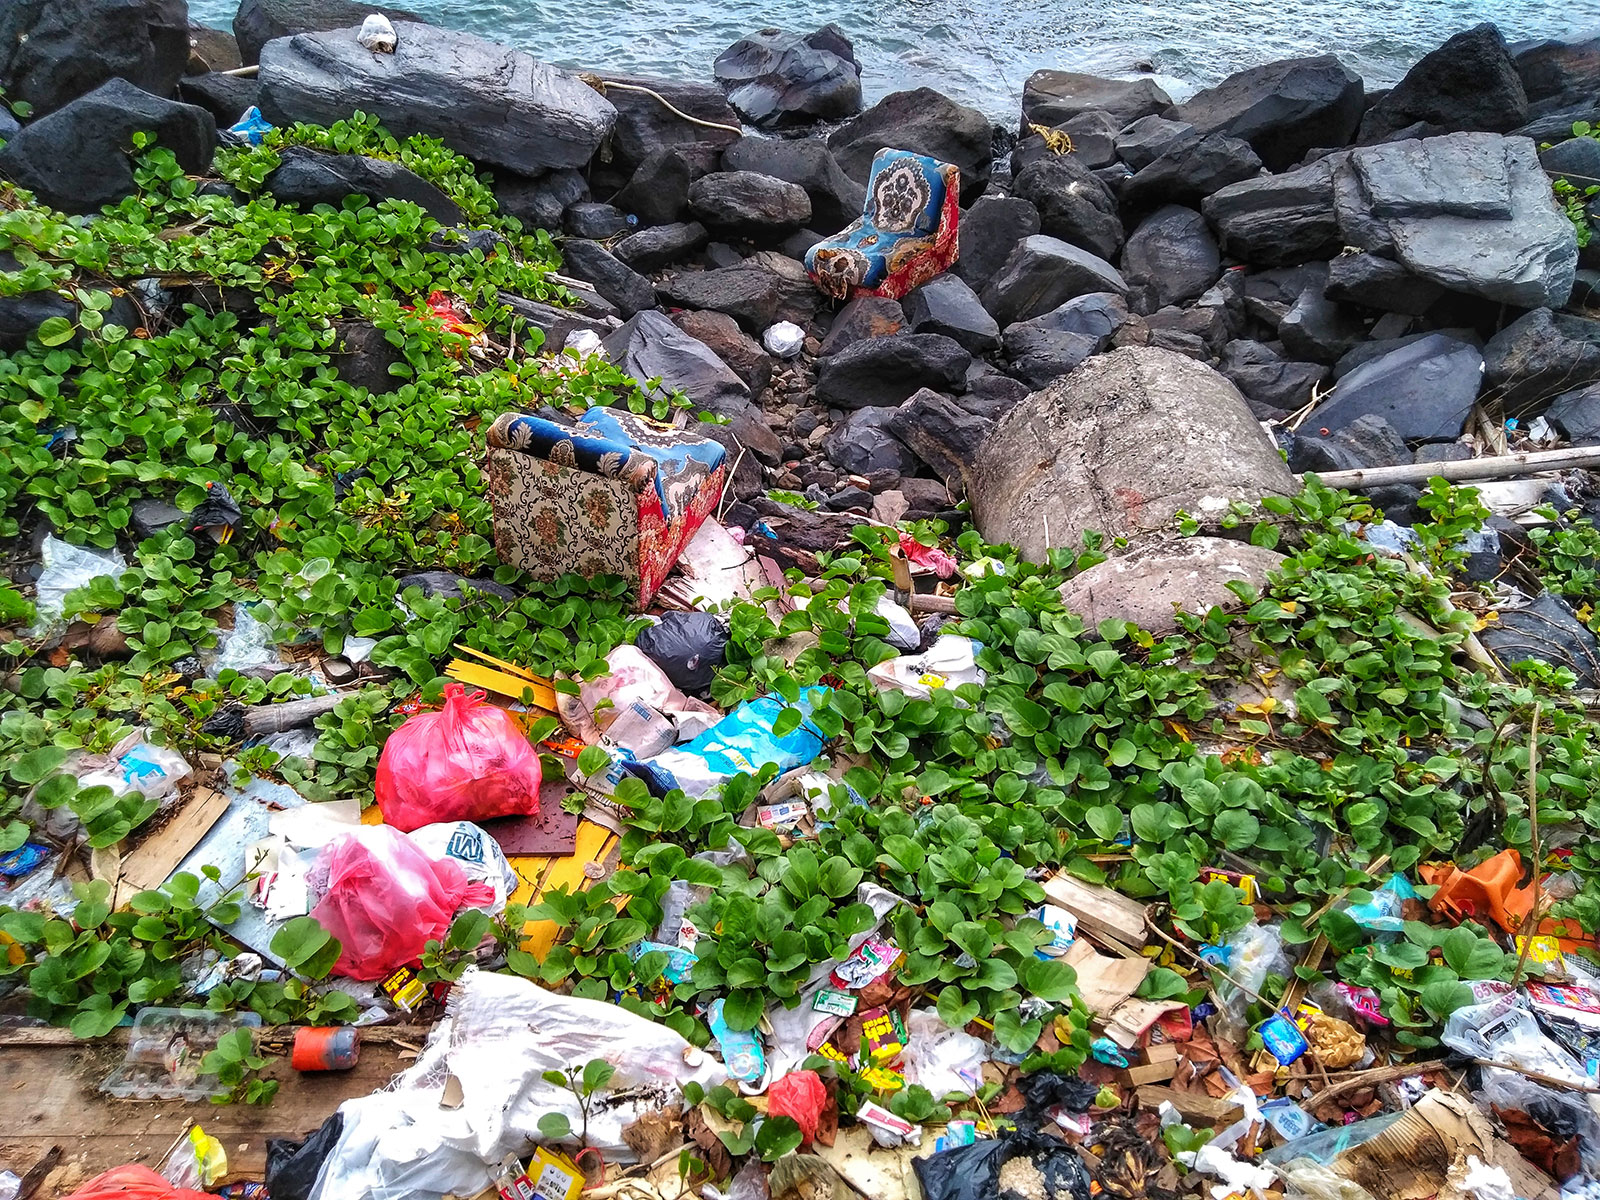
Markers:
(1101, 912)
(49, 1095)
(1191, 1106)
(158, 856)
(594, 843)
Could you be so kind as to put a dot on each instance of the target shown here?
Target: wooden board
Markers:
(553, 832)
(1101, 912)
(1194, 1107)
(49, 1096)
(158, 856)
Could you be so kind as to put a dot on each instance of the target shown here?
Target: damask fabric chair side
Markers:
(615, 494)
(905, 237)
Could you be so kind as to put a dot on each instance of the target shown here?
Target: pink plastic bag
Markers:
(801, 1095)
(386, 899)
(467, 762)
(133, 1183)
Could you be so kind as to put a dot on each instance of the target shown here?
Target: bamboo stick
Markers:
(1509, 466)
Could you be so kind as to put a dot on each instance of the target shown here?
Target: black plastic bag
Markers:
(688, 646)
(218, 514)
(973, 1172)
(1046, 1089)
(292, 1166)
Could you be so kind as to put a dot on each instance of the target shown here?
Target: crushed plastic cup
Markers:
(377, 34)
(583, 342)
(784, 339)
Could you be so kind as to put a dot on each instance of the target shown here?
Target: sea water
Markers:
(980, 51)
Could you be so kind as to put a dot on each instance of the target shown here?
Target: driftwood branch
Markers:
(1508, 466)
(262, 719)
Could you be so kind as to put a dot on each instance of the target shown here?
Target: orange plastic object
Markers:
(1493, 891)
(326, 1049)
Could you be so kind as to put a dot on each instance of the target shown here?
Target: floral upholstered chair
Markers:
(615, 494)
(906, 236)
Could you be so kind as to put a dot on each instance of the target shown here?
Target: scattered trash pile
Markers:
(784, 978)
(688, 839)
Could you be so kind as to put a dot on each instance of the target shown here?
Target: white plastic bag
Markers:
(949, 662)
(501, 1032)
(784, 339)
(1253, 953)
(377, 34)
(903, 631)
(1504, 1032)
(67, 567)
(940, 1058)
(478, 854)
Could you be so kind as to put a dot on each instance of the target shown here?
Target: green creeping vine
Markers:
(1327, 724)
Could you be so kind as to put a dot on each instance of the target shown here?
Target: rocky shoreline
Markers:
(1396, 255)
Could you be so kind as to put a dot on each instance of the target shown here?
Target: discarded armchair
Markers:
(615, 494)
(906, 235)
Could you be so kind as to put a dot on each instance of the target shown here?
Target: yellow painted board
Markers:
(594, 842)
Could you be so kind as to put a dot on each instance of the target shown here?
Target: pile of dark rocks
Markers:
(1395, 254)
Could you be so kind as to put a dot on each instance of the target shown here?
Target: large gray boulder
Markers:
(499, 106)
(1072, 204)
(1172, 256)
(258, 22)
(836, 199)
(1049, 346)
(1549, 631)
(749, 203)
(650, 346)
(1380, 283)
(925, 122)
(1120, 446)
(1540, 355)
(1470, 211)
(53, 51)
(941, 432)
(1577, 414)
(1043, 272)
(78, 158)
(1275, 220)
(882, 372)
(1283, 109)
(863, 444)
(1150, 584)
(1556, 69)
(1425, 390)
(645, 125)
(776, 79)
(946, 305)
(310, 177)
(1052, 98)
(989, 232)
(1469, 83)
(615, 281)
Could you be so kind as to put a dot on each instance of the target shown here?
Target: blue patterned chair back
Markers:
(905, 193)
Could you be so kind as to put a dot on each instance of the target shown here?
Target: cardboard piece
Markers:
(1104, 981)
(158, 856)
(1101, 912)
(1425, 1154)
(1132, 1018)
(1197, 1108)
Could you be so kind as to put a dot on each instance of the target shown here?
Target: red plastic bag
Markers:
(386, 899)
(801, 1095)
(134, 1183)
(467, 762)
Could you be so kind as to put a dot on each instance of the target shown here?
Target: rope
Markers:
(600, 85)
